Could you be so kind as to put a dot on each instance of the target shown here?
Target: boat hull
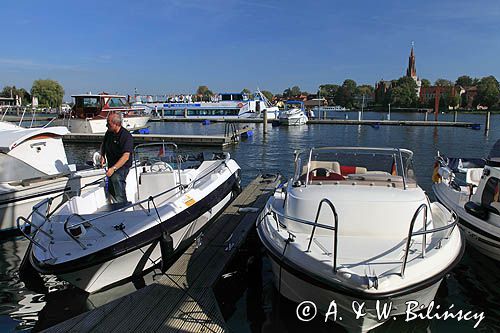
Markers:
(20, 203)
(299, 290)
(98, 277)
(478, 233)
(99, 125)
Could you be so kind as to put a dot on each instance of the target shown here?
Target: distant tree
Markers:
(9, 91)
(328, 90)
(404, 94)
(49, 92)
(292, 92)
(464, 81)
(268, 94)
(346, 93)
(426, 83)
(365, 89)
(453, 101)
(204, 92)
(443, 83)
(246, 91)
(488, 91)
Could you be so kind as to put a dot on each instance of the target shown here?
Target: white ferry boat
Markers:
(225, 106)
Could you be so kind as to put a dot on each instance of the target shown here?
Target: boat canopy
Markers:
(375, 166)
(10, 138)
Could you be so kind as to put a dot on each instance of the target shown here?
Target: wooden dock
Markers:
(335, 122)
(226, 139)
(183, 299)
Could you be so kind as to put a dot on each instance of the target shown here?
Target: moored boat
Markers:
(90, 113)
(34, 166)
(94, 243)
(293, 114)
(352, 225)
(471, 188)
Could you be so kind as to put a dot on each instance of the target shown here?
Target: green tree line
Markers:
(49, 93)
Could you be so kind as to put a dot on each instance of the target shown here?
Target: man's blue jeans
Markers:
(116, 185)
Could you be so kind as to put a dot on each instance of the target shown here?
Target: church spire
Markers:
(411, 71)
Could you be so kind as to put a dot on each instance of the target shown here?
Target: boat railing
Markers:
(315, 225)
(424, 232)
(87, 222)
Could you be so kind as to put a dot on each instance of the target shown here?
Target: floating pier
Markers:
(228, 138)
(332, 122)
(182, 300)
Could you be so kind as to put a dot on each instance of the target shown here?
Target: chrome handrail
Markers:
(32, 225)
(423, 233)
(314, 225)
(336, 221)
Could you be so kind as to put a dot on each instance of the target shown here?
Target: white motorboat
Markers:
(352, 225)
(470, 187)
(90, 113)
(293, 115)
(33, 166)
(94, 243)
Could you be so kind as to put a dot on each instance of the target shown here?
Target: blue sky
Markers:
(173, 46)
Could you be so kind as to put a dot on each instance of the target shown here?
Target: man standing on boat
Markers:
(117, 148)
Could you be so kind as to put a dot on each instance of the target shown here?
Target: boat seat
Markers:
(473, 176)
(335, 166)
(153, 183)
(347, 170)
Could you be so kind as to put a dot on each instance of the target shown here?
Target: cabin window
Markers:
(490, 195)
(116, 102)
(88, 102)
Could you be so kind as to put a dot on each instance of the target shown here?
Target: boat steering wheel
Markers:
(161, 166)
(322, 174)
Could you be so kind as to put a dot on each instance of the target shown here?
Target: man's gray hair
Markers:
(115, 118)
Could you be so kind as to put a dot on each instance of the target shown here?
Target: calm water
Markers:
(472, 285)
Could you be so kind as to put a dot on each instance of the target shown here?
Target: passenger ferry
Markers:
(224, 106)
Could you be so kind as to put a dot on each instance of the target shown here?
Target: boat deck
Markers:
(182, 300)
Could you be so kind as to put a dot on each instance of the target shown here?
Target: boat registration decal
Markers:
(189, 201)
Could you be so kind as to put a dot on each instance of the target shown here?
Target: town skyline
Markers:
(230, 45)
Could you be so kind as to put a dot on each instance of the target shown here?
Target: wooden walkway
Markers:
(183, 299)
(181, 140)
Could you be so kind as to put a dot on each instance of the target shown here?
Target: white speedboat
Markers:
(33, 166)
(90, 113)
(471, 188)
(94, 243)
(352, 225)
(293, 115)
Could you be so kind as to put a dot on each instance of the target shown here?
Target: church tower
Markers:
(411, 71)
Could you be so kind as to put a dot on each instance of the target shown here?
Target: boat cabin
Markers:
(98, 105)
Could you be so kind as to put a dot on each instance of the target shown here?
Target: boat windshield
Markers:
(369, 166)
(117, 102)
(294, 105)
